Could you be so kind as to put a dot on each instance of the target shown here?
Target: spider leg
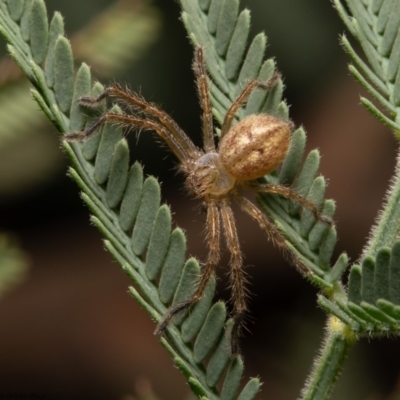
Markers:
(199, 69)
(237, 275)
(130, 121)
(273, 232)
(213, 240)
(290, 194)
(243, 97)
(129, 99)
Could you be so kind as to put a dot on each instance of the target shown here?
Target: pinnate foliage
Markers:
(126, 207)
(372, 304)
(375, 25)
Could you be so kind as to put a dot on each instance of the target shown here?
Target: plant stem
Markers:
(327, 367)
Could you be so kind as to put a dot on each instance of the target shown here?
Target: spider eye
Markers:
(255, 146)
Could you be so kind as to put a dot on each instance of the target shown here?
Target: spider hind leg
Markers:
(290, 194)
(237, 277)
(213, 239)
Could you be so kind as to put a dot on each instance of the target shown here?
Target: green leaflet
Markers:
(214, 15)
(232, 380)
(316, 194)
(220, 359)
(292, 161)
(16, 8)
(91, 145)
(25, 20)
(132, 198)
(319, 230)
(193, 323)
(127, 210)
(250, 390)
(210, 332)
(373, 289)
(339, 268)
(173, 266)
(375, 25)
(82, 86)
(186, 286)
(55, 31)
(149, 204)
(38, 30)
(252, 62)
(159, 242)
(109, 139)
(119, 174)
(237, 45)
(226, 25)
(258, 98)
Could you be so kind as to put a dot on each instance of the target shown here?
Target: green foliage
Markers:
(110, 42)
(125, 208)
(138, 230)
(374, 24)
(373, 305)
(372, 283)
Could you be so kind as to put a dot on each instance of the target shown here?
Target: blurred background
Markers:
(68, 328)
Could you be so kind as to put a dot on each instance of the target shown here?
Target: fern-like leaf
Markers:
(373, 282)
(128, 30)
(373, 305)
(375, 25)
(126, 208)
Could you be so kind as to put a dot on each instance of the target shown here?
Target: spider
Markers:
(217, 174)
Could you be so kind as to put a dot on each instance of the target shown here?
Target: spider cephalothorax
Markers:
(247, 150)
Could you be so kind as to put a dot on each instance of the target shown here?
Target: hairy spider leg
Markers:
(128, 99)
(275, 235)
(243, 97)
(236, 275)
(290, 194)
(213, 240)
(129, 121)
(200, 71)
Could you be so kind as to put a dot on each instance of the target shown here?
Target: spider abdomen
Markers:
(255, 146)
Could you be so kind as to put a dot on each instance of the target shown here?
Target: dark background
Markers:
(70, 329)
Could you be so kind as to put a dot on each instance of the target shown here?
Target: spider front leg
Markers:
(213, 240)
(243, 97)
(130, 122)
(158, 120)
(200, 71)
(130, 100)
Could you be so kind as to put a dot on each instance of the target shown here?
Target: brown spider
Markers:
(247, 150)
